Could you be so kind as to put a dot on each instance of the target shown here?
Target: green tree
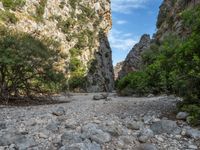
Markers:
(28, 65)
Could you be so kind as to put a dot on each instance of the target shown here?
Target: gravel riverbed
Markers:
(115, 123)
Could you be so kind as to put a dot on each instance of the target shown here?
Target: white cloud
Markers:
(120, 41)
(125, 6)
(120, 22)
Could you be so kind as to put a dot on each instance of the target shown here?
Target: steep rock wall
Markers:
(133, 59)
(78, 26)
(169, 18)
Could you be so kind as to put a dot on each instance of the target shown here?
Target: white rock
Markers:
(192, 147)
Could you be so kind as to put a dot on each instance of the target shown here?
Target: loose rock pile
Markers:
(84, 124)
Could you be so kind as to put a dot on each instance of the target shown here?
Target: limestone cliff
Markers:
(169, 19)
(133, 59)
(117, 69)
(80, 27)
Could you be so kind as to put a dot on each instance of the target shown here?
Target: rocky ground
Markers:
(114, 123)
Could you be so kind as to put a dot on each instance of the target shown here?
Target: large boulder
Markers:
(100, 96)
(193, 133)
(182, 116)
(81, 146)
(147, 147)
(21, 141)
(59, 112)
(93, 132)
(145, 135)
(164, 126)
(70, 138)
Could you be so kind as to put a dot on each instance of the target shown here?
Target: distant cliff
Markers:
(133, 60)
(81, 29)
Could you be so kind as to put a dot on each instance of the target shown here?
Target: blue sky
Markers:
(131, 19)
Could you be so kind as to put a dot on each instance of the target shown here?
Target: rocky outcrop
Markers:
(117, 69)
(80, 27)
(133, 60)
(101, 76)
(169, 20)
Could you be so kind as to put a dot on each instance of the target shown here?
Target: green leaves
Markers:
(8, 17)
(137, 81)
(13, 4)
(27, 65)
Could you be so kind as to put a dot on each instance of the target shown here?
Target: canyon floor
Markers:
(81, 123)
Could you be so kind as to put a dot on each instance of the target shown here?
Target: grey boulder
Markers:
(100, 96)
(70, 138)
(59, 112)
(193, 133)
(93, 132)
(145, 135)
(81, 146)
(182, 115)
(147, 147)
(21, 141)
(164, 126)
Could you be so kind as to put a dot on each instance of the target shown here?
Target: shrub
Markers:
(8, 17)
(40, 10)
(77, 82)
(73, 3)
(13, 4)
(27, 65)
(194, 111)
(65, 25)
(137, 81)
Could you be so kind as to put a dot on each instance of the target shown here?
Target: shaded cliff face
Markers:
(79, 26)
(169, 19)
(133, 60)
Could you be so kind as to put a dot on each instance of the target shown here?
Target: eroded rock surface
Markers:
(133, 60)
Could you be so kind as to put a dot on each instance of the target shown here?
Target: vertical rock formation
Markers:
(133, 59)
(79, 26)
(117, 69)
(100, 75)
(169, 19)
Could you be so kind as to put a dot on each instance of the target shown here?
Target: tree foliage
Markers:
(28, 65)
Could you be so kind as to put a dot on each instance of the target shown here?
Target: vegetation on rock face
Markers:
(40, 10)
(77, 70)
(172, 66)
(28, 65)
(12, 4)
(8, 17)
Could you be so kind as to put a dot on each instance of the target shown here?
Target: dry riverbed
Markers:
(81, 123)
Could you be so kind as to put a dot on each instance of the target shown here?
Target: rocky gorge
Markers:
(92, 121)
